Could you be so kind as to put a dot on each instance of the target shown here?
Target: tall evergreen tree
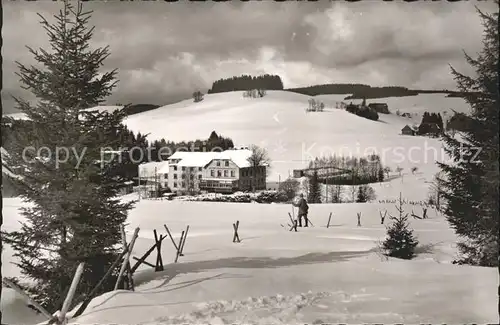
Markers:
(74, 214)
(470, 182)
(314, 189)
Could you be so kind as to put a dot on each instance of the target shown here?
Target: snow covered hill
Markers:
(292, 137)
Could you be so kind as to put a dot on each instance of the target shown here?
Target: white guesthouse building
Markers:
(193, 172)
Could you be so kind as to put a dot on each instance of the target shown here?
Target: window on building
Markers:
(183, 168)
(183, 184)
(218, 163)
(219, 174)
(165, 175)
(199, 169)
(226, 163)
(199, 176)
(212, 173)
(175, 184)
(225, 173)
(175, 176)
(175, 168)
(192, 176)
(232, 173)
(192, 169)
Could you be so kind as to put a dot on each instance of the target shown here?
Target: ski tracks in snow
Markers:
(276, 309)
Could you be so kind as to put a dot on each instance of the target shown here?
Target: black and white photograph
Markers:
(250, 162)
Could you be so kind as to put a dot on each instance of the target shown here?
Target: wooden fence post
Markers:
(159, 260)
(329, 218)
(71, 293)
(179, 247)
(126, 258)
(236, 237)
(294, 222)
(143, 258)
(130, 283)
(184, 241)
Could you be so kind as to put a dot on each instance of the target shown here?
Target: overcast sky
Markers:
(165, 51)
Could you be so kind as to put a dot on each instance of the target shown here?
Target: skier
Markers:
(303, 209)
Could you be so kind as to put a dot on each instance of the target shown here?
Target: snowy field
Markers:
(275, 276)
(317, 275)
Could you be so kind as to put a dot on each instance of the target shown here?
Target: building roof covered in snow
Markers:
(239, 157)
(201, 159)
(148, 169)
(197, 159)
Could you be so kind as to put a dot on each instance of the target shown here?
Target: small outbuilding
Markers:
(408, 130)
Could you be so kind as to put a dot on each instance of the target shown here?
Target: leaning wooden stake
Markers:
(159, 260)
(126, 258)
(309, 220)
(359, 219)
(171, 238)
(329, 218)
(184, 242)
(176, 246)
(71, 294)
(20, 291)
(382, 217)
(130, 283)
(143, 258)
(294, 223)
(179, 247)
(139, 261)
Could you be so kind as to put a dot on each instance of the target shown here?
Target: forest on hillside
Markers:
(361, 91)
(247, 82)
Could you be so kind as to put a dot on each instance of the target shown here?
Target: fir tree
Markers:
(470, 182)
(361, 195)
(400, 241)
(314, 189)
(74, 214)
(381, 174)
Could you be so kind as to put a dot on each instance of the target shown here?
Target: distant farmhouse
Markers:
(228, 171)
(432, 129)
(408, 130)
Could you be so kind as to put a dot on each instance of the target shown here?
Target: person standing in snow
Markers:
(303, 210)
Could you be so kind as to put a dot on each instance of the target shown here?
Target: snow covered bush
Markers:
(239, 197)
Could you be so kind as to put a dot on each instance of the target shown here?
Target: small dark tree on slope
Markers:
(365, 193)
(314, 189)
(361, 198)
(380, 174)
(470, 186)
(197, 96)
(400, 241)
(74, 214)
